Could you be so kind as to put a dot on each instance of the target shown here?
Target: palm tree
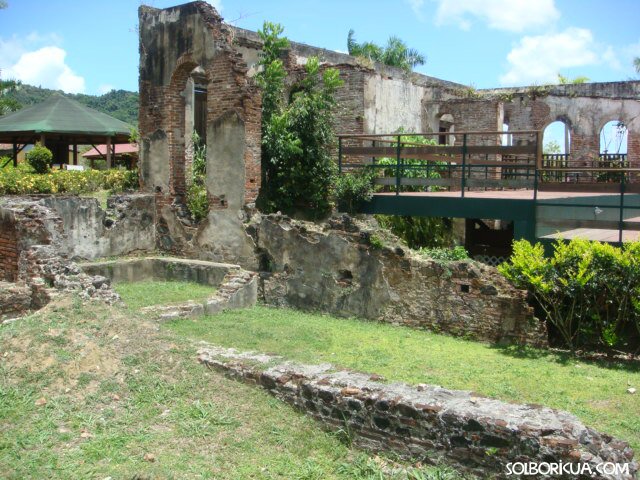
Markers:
(636, 64)
(396, 53)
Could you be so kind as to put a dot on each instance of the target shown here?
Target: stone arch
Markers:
(179, 156)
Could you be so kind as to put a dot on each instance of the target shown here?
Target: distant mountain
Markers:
(120, 104)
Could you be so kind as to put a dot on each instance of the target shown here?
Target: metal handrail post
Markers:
(463, 181)
(621, 218)
(339, 154)
(398, 166)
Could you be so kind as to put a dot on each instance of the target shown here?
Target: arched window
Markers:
(613, 138)
(556, 139)
(195, 95)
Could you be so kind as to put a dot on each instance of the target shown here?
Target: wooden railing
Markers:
(477, 160)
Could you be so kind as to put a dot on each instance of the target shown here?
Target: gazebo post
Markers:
(15, 154)
(75, 153)
(108, 153)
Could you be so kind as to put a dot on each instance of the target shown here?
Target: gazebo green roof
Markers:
(62, 118)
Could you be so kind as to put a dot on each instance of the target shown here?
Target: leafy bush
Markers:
(419, 232)
(198, 201)
(352, 189)
(197, 198)
(296, 135)
(445, 254)
(40, 158)
(22, 180)
(588, 290)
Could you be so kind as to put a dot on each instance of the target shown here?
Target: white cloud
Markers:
(509, 15)
(538, 59)
(416, 7)
(105, 88)
(46, 66)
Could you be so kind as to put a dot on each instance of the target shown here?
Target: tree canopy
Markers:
(396, 53)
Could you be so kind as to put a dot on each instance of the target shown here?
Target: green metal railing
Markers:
(476, 161)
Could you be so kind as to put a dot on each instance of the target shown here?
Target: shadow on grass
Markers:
(564, 357)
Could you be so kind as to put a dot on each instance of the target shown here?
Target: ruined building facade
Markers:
(196, 74)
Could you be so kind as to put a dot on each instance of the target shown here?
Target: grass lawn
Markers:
(593, 391)
(89, 391)
(144, 294)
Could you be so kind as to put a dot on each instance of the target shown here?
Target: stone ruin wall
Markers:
(334, 268)
(472, 433)
(44, 234)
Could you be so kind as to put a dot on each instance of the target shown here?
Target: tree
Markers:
(8, 104)
(297, 134)
(636, 64)
(551, 147)
(562, 80)
(396, 53)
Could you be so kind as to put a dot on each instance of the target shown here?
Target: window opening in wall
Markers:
(613, 138)
(446, 125)
(200, 112)
(507, 138)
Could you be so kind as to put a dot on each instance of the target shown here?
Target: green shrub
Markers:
(588, 290)
(376, 242)
(40, 158)
(352, 189)
(22, 180)
(419, 232)
(198, 201)
(445, 254)
(297, 132)
(197, 197)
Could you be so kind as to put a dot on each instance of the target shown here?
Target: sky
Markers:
(88, 46)
(92, 47)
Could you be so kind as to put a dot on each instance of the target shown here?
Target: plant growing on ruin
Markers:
(40, 158)
(296, 135)
(562, 80)
(197, 198)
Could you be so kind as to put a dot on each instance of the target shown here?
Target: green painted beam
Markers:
(419, 206)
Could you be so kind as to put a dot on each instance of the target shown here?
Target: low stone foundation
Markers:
(235, 287)
(472, 433)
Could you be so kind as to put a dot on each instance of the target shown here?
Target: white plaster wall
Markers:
(392, 103)
(588, 115)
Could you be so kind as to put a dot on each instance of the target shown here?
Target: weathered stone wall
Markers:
(430, 423)
(43, 254)
(8, 248)
(335, 269)
(127, 226)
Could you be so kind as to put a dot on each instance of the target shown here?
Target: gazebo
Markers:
(59, 123)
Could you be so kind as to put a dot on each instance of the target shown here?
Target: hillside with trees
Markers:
(120, 104)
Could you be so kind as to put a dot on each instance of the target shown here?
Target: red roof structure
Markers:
(100, 151)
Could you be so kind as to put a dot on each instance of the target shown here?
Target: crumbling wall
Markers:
(474, 434)
(8, 248)
(127, 226)
(334, 268)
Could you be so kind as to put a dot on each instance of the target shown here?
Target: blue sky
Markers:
(91, 46)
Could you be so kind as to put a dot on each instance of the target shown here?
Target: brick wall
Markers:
(8, 251)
